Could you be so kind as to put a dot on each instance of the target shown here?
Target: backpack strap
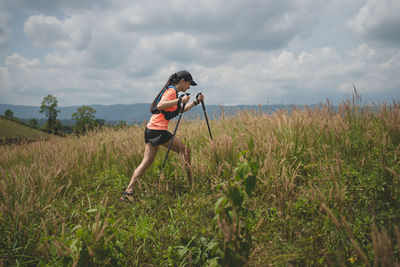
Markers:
(168, 115)
(165, 89)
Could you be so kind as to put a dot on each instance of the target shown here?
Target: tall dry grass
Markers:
(328, 190)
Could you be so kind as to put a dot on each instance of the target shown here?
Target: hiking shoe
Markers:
(126, 195)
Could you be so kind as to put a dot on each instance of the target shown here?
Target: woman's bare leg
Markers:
(150, 153)
(179, 147)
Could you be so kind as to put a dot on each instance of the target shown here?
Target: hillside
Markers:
(13, 130)
(310, 187)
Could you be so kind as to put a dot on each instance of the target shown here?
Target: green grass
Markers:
(14, 130)
(326, 193)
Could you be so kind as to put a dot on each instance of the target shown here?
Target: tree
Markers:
(49, 108)
(67, 129)
(33, 123)
(9, 114)
(100, 122)
(84, 118)
(121, 124)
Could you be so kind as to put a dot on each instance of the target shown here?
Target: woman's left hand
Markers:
(201, 97)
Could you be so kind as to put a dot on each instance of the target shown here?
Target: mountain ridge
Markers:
(138, 112)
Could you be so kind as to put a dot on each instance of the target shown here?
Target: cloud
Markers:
(143, 36)
(5, 31)
(89, 44)
(47, 31)
(247, 25)
(378, 20)
(21, 71)
(218, 27)
(51, 5)
(240, 52)
(306, 77)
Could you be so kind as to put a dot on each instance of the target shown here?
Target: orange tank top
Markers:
(158, 121)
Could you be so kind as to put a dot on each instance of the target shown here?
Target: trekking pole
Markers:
(173, 136)
(205, 114)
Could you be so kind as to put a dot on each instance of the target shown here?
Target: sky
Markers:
(239, 52)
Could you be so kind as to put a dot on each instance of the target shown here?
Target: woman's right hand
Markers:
(185, 99)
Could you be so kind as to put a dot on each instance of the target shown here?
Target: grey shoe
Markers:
(126, 195)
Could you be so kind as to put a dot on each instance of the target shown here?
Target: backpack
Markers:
(167, 114)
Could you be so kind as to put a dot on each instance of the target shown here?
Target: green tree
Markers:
(67, 129)
(100, 122)
(9, 114)
(57, 128)
(85, 119)
(121, 124)
(33, 123)
(49, 108)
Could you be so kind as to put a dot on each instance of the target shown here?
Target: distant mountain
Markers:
(107, 112)
(139, 112)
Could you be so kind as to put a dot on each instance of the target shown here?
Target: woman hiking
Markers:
(165, 106)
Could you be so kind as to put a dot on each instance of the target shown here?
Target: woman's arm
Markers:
(189, 106)
(194, 103)
(164, 104)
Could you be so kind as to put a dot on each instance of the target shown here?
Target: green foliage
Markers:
(97, 241)
(56, 127)
(201, 251)
(121, 124)
(9, 114)
(232, 212)
(49, 108)
(85, 119)
(33, 123)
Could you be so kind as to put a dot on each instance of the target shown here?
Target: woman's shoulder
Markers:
(170, 93)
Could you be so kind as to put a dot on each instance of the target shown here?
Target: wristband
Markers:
(196, 102)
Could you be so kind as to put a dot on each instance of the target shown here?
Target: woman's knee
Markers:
(147, 162)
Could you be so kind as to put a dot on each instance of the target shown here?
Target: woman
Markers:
(164, 107)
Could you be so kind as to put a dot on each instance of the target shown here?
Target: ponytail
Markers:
(172, 80)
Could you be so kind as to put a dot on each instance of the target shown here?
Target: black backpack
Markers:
(168, 115)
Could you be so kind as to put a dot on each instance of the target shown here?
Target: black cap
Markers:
(184, 74)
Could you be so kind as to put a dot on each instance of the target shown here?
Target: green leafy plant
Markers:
(98, 242)
(232, 212)
(203, 251)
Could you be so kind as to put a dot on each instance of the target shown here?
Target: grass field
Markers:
(326, 193)
(12, 130)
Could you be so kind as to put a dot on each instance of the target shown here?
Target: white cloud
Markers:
(21, 72)
(49, 31)
(378, 20)
(247, 77)
(238, 51)
(17, 61)
(308, 77)
(223, 25)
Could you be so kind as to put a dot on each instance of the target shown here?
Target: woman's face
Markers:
(184, 85)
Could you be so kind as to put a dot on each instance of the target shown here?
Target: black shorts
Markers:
(156, 137)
